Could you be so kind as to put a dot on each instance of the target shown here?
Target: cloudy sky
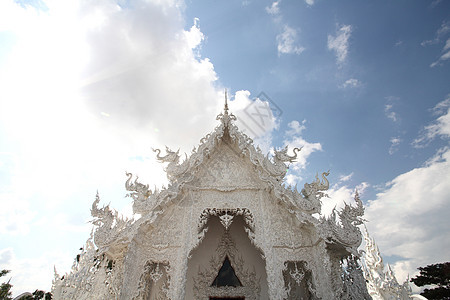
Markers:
(87, 88)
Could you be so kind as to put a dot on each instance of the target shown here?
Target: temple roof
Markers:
(270, 170)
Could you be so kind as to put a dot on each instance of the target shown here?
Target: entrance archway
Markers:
(226, 265)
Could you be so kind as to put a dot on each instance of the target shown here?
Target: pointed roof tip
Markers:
(225, 117)
(225, 109)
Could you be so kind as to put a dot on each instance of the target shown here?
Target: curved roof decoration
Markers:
(340, 229)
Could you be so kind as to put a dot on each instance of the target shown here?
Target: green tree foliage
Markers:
(437, 275)
(5, 288)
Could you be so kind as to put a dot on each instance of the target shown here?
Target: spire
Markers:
(226, 103)
(224, 117)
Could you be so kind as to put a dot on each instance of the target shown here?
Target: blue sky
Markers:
(87, 89)
(385, 56)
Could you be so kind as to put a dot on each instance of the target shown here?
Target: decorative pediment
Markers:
(227, 169)
(226, 159)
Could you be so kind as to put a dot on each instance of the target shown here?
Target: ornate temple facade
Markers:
(225, 227)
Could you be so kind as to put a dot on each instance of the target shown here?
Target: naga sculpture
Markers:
(173, 169)
(109, 228)
(279, 166)
(341, 227)
(313, 191)
(140, 193)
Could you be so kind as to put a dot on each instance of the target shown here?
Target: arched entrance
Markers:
(226, 265)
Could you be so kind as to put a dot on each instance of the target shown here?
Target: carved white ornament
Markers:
(382, 284)
(225, 176)
(250, 288)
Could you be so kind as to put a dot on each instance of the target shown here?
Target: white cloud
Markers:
(293, 179)
(345, 178)
(287, 42)
(15, 219)
(395, 142)
(440, 127)
(274, 9)
(296, 128)
(447, 45)
(339, 43)
(255, 117)
(295, 140)
(442, 106)
(408, 217)
(339, 194)
(388, 109)
(444, 56)
(444, 29)
(352, 83)
(310, 2)
(427, 42)
(86, 92)
(33, 273)
(440, 33)
(194, 36)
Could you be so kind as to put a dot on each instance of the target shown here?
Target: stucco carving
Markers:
(226, 177)
(341, 228)
(226, 216)
(91, 273)
(354, 281)
(298, 280)
(381, 284)
(154, 282)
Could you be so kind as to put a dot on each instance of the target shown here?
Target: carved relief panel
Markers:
(226, 168)
(154, 282)
(298, 280)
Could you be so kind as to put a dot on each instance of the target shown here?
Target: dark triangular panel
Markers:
(226, 276)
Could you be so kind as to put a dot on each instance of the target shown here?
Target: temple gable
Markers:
(226, 169)
(225, 209)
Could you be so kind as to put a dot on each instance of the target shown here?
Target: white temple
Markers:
(226, 227)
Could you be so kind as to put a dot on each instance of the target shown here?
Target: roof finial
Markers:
(225, 117)
(226, 103)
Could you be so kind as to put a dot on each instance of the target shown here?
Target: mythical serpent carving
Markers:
(170, 157)
(103, 219)
(173, 169)
(278, 167)
(308, 205)
(341, 226)
(139, 192)
(109, 224)
(281, 156)
(314, 189)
